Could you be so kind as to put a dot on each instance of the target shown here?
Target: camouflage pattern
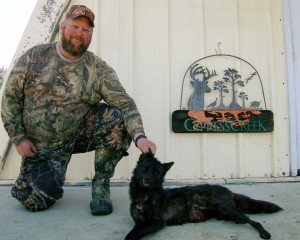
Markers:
(41, 178)
(81, 10)
(58, 94)
(55, 104)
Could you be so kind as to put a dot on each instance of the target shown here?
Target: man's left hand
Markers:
(145, 145)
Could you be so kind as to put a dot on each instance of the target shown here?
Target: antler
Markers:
(209, 75)
(195, 71)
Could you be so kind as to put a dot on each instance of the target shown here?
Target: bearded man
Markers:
(61, 99)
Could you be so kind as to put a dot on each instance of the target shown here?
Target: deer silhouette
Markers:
(196, 100)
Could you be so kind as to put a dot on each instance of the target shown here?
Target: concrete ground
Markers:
(70, 218)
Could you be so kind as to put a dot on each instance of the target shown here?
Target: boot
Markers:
(101, 203)
(101, 207)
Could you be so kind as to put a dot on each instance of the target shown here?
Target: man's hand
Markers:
(145, 144)
(26, 149)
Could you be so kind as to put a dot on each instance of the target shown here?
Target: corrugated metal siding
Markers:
(292, 39)
(151, 43)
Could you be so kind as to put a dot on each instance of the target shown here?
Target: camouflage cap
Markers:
(81, 10)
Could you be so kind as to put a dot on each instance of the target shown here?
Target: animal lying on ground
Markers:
(153, 207)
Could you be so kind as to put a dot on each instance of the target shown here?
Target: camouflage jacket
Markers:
(46, 97)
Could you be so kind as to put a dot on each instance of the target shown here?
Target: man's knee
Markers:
(37, 203)
(108, 114)
(109, 130)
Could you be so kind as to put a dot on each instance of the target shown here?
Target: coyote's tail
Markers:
(252, 206)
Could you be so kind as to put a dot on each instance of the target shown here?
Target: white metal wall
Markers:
(151, 43)
(292, 39)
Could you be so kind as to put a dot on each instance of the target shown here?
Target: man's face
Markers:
(76, 36)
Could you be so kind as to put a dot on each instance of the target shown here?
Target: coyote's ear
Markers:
(146, 156)
(149, 154)
(167, 166)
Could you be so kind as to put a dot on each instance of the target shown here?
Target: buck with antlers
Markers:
(196, 100)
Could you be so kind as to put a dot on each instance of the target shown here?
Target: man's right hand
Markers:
(26, 149)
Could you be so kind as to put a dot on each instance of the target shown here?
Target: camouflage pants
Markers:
(41, 177)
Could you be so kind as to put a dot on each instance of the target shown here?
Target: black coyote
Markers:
(153, 207)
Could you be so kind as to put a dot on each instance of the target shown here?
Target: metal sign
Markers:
(222, 99)
(222, 121)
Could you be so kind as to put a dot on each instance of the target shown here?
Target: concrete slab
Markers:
(70, 219)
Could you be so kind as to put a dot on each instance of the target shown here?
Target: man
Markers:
(51, 109)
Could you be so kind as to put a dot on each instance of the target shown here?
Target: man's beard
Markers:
(69, 47)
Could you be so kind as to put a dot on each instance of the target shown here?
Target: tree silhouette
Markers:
(233, 78)
(222, 88)
(244, 97)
